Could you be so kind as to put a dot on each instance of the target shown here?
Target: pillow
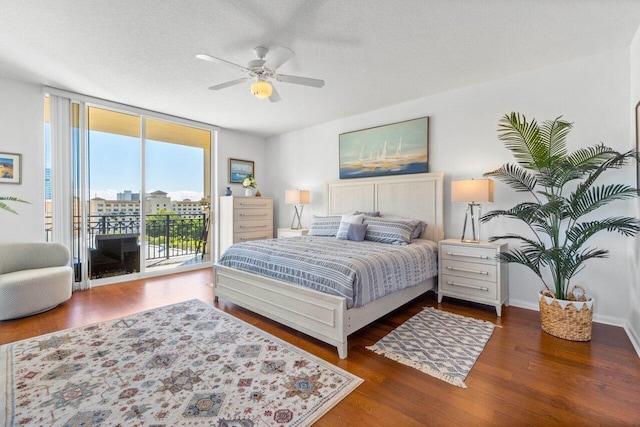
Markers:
(352, 219)
(324, 226)
(417, 232)
(349, 231)
(396, 231)
(347, 220)
(357, 232)
(376, 213)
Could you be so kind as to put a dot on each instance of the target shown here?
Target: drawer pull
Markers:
(253, 204)
(480, 288)
(253, 226)
(466, 270)
(245, 239)
(467, 255)
(256, 214)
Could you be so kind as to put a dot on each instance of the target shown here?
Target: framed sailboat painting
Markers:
(393, 149)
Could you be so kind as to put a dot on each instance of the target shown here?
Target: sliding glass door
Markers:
(139, 199)
(177, 176)
(114, 219)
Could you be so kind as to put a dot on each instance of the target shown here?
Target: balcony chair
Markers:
(34, 277)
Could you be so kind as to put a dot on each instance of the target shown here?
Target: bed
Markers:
(324, 316)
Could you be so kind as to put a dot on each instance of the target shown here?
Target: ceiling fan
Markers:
(261, 70)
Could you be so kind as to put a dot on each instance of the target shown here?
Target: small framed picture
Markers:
(10, 168)
(239, 170)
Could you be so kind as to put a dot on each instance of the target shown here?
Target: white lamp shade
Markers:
(297, 197)
(472, 191)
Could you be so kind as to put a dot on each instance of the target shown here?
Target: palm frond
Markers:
(5, 207)
(529, 212)
(592, 156)
(514, 176)
(581, 232)
(586, 200)
(555, 133)
(516, 256)
(573, 263)
(523, 140)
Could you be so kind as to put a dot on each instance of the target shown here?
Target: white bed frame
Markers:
(324, 316)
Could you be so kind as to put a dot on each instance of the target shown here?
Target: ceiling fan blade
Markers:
(231, 83)
(278, 57)
(306, 81)
(275, 96)
(213, 59)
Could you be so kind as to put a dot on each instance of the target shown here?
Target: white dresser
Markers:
(245, 218)
(471, 272)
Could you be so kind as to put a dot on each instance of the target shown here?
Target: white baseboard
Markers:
(598, 318)
(634, 336)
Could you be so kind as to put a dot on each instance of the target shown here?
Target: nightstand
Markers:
(284, 233)
(470, 271)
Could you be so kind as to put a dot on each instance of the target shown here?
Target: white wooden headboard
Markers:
(418, 196)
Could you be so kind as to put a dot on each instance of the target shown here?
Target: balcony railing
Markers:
(167, 236)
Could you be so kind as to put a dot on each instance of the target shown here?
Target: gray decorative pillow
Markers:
(357, 232)
(376, 213)
(350, 231)
(395, 231)
(417, 232)
(324, 225)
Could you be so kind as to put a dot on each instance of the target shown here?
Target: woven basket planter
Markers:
(569, 319)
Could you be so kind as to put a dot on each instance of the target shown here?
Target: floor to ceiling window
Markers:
(141, 192)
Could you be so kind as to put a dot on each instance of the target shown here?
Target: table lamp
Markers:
(298, 198)
(473, 192)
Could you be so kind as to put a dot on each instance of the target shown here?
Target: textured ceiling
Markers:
(371, 53)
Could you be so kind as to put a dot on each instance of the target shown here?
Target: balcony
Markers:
(114, 240)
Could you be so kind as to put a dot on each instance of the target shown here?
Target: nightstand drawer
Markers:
(469, 269)
(468, 287)
(468, 253)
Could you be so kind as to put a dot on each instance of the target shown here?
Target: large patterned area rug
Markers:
(441, 344)
(184, 364)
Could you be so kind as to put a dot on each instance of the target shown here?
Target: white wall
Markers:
(593, 93)
(238, 145)
(22, 131)
(633, 321)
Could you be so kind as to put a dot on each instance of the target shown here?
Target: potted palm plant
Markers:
(4, 206)
(564, 189)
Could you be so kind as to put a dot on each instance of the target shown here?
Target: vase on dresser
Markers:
(248, 191)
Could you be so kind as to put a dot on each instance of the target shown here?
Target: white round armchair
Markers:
(34, 277)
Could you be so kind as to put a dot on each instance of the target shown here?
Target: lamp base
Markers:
(297, 215)
(469, 215)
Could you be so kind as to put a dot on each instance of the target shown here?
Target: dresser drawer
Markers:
(468, 253)
(252, 214)
(465, 286)
(251, 203)
(469, 270)
(254, 225)
(252, 235)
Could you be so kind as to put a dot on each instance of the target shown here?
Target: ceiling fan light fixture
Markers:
(261, 89)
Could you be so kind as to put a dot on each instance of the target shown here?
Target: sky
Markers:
(115, 166)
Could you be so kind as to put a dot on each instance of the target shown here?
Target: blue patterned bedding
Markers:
(358, 271)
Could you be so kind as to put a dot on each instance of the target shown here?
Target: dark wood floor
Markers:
(523, 377)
